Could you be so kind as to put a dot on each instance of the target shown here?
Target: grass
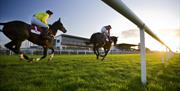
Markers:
(119, 72)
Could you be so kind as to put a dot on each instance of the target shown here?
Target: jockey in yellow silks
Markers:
(40, 19)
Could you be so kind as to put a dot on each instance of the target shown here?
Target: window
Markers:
(58, 41)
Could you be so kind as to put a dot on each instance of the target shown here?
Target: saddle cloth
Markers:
(35, 29)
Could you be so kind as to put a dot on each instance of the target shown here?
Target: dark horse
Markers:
(99, 40)
(18, 31)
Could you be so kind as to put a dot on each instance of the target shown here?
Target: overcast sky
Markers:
(84, 17)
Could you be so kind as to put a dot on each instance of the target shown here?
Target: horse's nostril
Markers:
(65, 31)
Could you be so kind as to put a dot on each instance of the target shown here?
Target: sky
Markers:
(84, 17)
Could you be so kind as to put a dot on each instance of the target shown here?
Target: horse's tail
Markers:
(2, 23)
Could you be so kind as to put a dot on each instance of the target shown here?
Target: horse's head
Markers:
(59, 26)
(114, 39)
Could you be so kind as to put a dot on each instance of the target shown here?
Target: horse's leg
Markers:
(101, 55)
(14, 46)
(52, 54)
(44, 54)
(17, 48)
(36, 59)
(11, 46)
(106, 52)
(95, 52)
(22, 55)
(98, 54)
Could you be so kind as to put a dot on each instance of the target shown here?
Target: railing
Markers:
(120, 7)
(4, 51)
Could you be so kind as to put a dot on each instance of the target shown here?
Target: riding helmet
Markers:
(49, 12)
(109, 26)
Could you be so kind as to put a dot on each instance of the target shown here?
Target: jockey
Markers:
(40, 19)
(106, 31)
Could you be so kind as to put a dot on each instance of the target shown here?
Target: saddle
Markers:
(40, 31)
(36, 28)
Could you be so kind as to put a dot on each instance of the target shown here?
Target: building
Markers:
(71, 42)
(127, 47)
(28, 44)
(64, 42)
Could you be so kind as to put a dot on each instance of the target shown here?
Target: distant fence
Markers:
(4, 51)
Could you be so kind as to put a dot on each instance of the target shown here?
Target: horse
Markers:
(99, 41)
(18, 31)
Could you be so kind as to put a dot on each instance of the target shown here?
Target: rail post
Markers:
(143, 55)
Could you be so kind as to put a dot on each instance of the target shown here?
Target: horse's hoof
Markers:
(49, 60)
(102, 59)
(30, 60)
(21, 59)
(37, 59)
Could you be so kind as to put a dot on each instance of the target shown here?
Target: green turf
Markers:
(118, 72)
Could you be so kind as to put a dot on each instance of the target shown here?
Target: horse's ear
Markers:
(59, 19)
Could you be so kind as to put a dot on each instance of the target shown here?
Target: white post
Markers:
(163, 55)
(171, 54)
(32, 51)
(10, 52)
(163, 58)
(85, 52)
(167, 56)
(68, 52)
(60, 51)
(143, 56)
(77, 52)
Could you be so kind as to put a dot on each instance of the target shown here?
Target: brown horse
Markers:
(99, 40)
(18, 31)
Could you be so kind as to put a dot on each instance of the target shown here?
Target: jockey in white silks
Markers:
(106, 31)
